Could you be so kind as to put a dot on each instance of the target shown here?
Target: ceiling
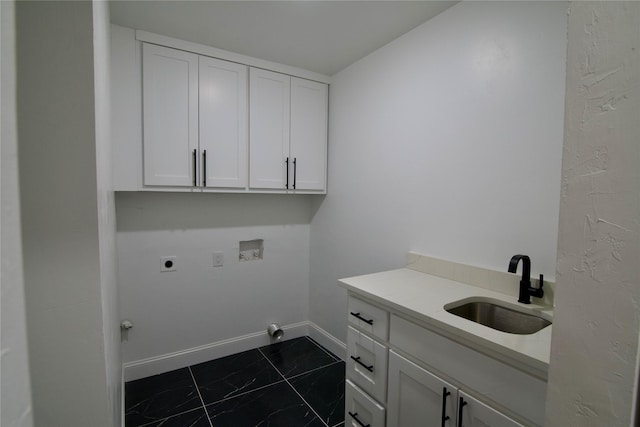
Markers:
(321, 36)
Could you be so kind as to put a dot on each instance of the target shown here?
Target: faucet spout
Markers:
(526, 266)
(526, 290)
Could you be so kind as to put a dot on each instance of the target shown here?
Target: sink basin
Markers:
(498, 316)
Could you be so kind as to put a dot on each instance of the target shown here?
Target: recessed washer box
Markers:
(251, 250)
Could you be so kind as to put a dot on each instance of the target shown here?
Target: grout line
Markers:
(274, 366)
(244, 392)
(170, 416)
(200, 396)
(296, 391)
(333, 356)
(335, 362)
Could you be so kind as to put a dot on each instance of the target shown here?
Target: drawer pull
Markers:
(445, 417)
(461, 404)
(357, 360)
(355, 417)
(368, 321)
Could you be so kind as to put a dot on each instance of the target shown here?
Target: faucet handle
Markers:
(537, 292)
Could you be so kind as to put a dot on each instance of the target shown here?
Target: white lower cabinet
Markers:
(476, 414)
(404, 374)
(419, 398)
(360, 409)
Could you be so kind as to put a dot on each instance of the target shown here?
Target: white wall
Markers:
(15, 406)
(199, 304)
(595, 333)
(448, 142)
(106, 207)
(65, 213)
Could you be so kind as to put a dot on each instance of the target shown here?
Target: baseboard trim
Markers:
(180, 359)
(327, 340)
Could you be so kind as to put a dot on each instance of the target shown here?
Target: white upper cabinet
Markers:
(309, 133)
(170, 120)
(223, 123)
(188, 117)
(288, 132)
(195, 120)
(269, 129)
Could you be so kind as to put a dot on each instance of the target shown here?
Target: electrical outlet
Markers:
(218, 259)
(168, 263)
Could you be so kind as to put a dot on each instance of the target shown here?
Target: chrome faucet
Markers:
(526, 291)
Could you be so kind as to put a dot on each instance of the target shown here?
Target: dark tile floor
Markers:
(294, 383)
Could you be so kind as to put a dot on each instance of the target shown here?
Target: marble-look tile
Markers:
(276, 405)
(195, 418)
(160, 396)
(233, 375)
(297, 356)
(323, 389)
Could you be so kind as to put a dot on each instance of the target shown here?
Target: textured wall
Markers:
(595, 332)
(15, 407)
(106, 207)
(61, 221)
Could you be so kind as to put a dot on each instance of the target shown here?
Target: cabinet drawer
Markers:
(368, 318)
(360, 409)
(367, 363)
(504, 385)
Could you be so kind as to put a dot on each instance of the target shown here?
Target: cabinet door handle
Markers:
(369, 321)
(359, 362)
(204, 168)
(294, 172)
(445, 394)
(195, 174)
(286, 162)
(461, 404)
(355, 417)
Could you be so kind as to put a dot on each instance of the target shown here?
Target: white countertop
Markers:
(423, 296)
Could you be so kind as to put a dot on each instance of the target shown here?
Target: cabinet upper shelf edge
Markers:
(201, 49)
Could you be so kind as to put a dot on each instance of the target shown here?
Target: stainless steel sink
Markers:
(499, 317)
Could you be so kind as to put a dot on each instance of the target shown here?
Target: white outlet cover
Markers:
(168, 263)
(218, 259)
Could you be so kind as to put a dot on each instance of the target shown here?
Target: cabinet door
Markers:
(476, 414)
(360, 409)
(309, 134)
(223, 123)
(269, 107)
(170, 116)
(416, 397)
